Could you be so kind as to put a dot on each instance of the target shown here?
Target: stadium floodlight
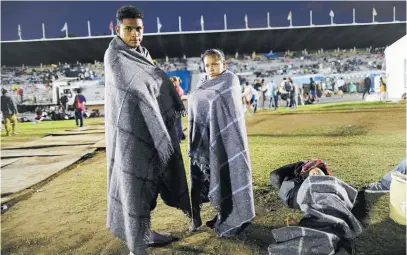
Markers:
(19, 32)
(159, 25)
(43, 31)
(310, 18)
(179, 24)
(246, 21)
(332, 15)
(111, 27)
(290, 18)
(89, 33)
(354, 16)
(65, 28)
(268, 19)
(374, 13)
(394, 13)
(225, 22)
(202, 23)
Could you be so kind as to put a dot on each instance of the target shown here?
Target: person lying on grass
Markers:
(289, 178)
(328, 224)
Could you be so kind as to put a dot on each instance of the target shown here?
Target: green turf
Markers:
(29, 131)
(359, 141)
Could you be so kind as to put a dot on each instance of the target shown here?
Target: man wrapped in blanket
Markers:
(220, 163)
(142, 149)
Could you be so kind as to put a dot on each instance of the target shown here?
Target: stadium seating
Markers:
(352, 65)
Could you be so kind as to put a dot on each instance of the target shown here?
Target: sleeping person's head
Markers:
(214, 63)
(315, 167)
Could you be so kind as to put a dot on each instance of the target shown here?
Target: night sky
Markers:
(31, 14)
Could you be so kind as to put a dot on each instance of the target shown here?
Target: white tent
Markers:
(396, 68)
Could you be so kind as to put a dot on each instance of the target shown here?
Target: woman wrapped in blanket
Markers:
(218, 149)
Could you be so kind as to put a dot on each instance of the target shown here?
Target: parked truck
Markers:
(93, 90)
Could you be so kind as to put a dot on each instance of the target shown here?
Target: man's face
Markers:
(131, 31)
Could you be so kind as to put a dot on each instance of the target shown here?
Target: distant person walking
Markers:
(383, 89)
(367, 83)
(9, 111)
(79, 107)
(273, 94)
(64, 101)
(263, 94)
(313, 89)
(20, 92)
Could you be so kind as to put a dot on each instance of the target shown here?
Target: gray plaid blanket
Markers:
(327, 203)
(218, 145)
(143, 155)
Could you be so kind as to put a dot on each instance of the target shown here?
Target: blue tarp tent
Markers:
(270, 55)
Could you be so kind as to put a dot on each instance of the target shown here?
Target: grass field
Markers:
(359, 141)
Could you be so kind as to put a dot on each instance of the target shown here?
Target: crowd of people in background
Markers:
(267, 82)
(269, 96)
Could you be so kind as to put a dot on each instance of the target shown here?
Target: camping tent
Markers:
(396, 68)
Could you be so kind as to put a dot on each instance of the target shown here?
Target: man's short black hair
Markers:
(128, 12)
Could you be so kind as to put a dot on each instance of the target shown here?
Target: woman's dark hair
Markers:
(214, 52)
(128, 12)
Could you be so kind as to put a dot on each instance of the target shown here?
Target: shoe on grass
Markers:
(158, 240)
(376, 187)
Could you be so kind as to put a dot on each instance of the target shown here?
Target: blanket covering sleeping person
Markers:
(143, 154)
(218, 149)
(328, 221)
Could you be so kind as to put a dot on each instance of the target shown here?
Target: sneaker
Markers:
(376, 187)
(158, 240)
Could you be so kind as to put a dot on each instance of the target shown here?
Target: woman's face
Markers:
(213, 66)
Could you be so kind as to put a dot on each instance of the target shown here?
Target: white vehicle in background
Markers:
(93, 90)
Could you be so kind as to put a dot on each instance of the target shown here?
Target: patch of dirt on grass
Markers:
(377, 121)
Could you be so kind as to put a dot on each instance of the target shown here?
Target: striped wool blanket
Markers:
(142, 150)
(328, 221)
(218, 145)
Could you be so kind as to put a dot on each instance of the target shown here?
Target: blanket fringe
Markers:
(164, 157)
(173, 117)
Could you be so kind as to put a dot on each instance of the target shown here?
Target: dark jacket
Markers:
(368, 82)
(288, 179)
(8, 106)
(312, 86)
(285, 180)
